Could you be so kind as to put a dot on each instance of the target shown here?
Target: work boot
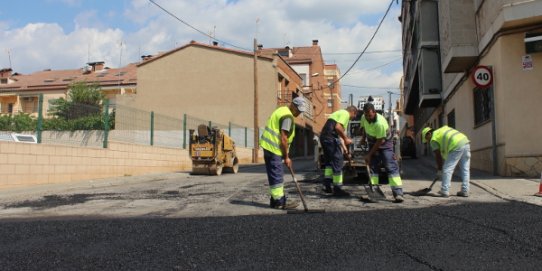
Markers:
(339, 192)
(443, 194)
(290, 204)
(399, 198)
(327, 189)
(284, 204)
(463, 194)
(272, 202)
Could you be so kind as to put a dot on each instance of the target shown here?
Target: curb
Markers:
(502, 195)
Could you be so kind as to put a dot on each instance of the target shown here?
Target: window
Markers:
(29, 104)
(482, 104)
(303, 78)
(10, 108)
(3, 81)
(451, 119)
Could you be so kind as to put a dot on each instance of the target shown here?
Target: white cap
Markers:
(299, 102)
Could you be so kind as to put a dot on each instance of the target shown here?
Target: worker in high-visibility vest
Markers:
(380, 139)
(453, 147)
(330, 137)
(275, 141)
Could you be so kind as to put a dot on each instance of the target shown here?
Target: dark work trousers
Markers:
(273, 166)
(385, 156)
(333, 156)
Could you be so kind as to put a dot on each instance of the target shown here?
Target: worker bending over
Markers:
(451, 146)
(330, 137)
(380, 139)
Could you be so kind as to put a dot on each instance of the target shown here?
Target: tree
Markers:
(81, 111)
(84, 99)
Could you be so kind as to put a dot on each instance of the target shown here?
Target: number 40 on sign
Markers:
(482, 76)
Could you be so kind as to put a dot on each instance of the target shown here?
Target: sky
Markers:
(65, 34)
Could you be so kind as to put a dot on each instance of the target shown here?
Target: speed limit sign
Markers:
(482, 76)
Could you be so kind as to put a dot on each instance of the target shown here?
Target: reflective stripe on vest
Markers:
(448, 139)
(270, 139)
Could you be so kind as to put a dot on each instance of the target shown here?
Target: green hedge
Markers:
(23, 122)
(17, 123)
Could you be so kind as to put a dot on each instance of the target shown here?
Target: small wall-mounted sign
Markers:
(527, 62)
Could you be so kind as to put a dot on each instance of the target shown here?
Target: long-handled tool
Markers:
(305, 208)
(373, 191)
(425, 191)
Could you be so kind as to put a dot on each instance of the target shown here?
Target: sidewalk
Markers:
(507, 188)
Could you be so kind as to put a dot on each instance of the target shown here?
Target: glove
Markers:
(439, 174)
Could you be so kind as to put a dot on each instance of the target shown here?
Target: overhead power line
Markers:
(378, 67)
(366, 46)
(197, 30)
(367, 52)
(370, 87)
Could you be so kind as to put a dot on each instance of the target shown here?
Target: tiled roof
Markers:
(299, 54)
(202, 45)
(60, 79)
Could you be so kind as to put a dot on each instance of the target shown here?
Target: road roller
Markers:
(212, 152)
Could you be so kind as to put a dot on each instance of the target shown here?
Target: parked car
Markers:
(408, 147)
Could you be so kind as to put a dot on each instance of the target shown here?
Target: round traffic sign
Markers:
(482, 76)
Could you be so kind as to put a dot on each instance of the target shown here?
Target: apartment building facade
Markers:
(333, 91)
(19, 92)
(211, 82)
(444, 43)
(316, 77)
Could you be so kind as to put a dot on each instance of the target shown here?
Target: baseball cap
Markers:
(299, 102)
(424, 132)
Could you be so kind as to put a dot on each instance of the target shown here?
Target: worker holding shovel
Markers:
(332, 132)
(275, 142)
(453, 147)
(380, 140)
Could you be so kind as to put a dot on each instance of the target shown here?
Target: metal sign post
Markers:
(483, 78)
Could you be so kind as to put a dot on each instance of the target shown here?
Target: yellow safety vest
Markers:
(270, 139)
(448, 140)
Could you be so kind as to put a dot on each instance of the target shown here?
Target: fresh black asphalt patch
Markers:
(474, 236)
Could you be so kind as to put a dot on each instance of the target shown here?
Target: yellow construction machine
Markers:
(212, 151)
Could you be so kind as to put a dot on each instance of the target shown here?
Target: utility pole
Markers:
(256, 125)
(389, 110)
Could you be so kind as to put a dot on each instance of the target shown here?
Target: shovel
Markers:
(305, 208)
(373, 191)
(425, 191)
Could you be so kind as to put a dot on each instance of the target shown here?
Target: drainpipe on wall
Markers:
(493, 125)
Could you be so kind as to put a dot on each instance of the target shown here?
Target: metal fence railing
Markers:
(96, 125)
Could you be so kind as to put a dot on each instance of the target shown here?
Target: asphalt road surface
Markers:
(183, 222)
